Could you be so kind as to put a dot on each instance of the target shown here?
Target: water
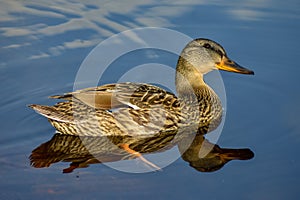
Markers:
(43, 45)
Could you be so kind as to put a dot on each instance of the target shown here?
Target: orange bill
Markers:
(228, 65)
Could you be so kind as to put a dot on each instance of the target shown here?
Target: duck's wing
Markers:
(134, 95)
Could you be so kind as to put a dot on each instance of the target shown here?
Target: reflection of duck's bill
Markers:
(228, 65)
(237, 154)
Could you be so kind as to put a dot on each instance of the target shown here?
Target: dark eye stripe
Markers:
(220, 53)
(206, 45)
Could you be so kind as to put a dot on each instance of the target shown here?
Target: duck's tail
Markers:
(51, 112)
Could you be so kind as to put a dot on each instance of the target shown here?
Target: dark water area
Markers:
(43, 45)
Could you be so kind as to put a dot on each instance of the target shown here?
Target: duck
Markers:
(141, 109)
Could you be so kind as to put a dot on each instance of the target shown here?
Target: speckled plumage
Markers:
(139, 109)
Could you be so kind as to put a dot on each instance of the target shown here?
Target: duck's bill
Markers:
(228, 65)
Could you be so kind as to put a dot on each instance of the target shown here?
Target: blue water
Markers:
(43, 45)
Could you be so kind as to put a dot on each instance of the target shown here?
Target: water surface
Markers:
(43, 45)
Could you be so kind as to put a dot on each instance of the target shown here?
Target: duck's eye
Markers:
(206, 45)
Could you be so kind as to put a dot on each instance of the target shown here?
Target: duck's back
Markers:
(131, 109)
(113, 109)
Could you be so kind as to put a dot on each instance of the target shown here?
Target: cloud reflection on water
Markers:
(71, 25)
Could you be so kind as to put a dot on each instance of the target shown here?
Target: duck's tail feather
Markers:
(52, 113)
(66, 96)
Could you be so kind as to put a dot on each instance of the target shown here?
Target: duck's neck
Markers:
(188, 78)
(199, 103)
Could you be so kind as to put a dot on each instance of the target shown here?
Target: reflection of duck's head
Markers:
(208, 157)
(218, 157)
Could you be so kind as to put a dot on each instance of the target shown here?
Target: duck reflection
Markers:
(83, 151)
(205, 156)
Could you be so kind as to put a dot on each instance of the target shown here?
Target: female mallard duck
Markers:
(139, 109)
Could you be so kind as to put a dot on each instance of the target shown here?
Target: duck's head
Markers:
(206, 55)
